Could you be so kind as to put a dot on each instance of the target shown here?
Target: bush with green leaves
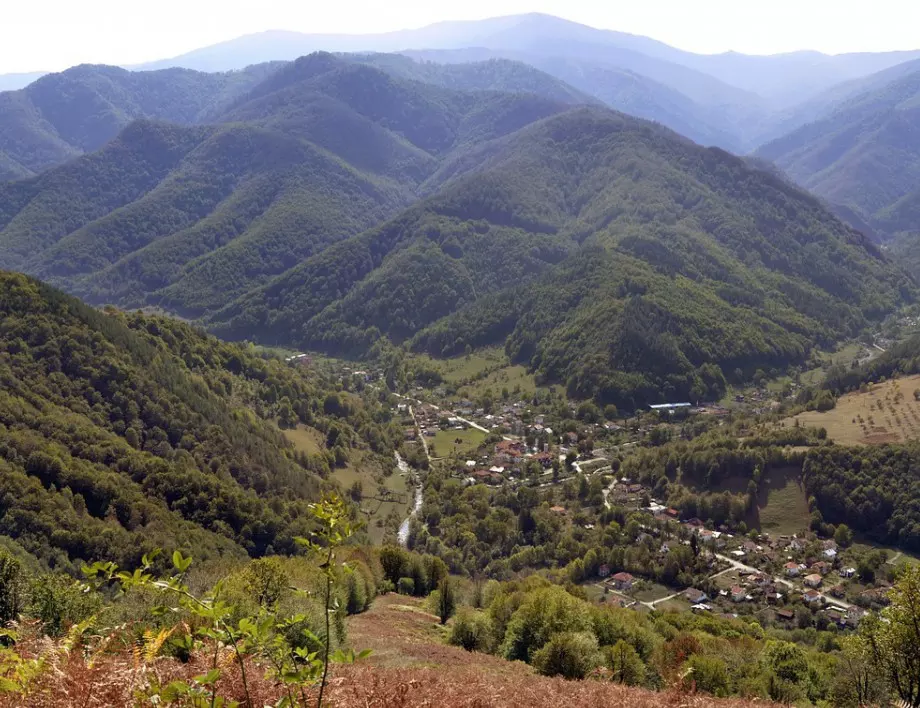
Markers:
(708, 674)
(471, 631)
(11, 587)
(625, 664)
(572, 655)
(60, 602)
(405, 586)
(545, 612)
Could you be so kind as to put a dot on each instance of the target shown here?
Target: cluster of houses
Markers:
(626, 491)
(508, 416)
(817, 571)
(429, 420)
(507, 461)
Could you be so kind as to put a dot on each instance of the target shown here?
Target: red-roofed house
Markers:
(812, 597)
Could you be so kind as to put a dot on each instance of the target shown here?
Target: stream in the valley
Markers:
(403, 534)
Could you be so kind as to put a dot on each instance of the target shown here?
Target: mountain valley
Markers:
(493, 363)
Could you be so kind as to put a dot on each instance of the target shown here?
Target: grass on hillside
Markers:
(361, 469)
(445, 443)
(411, 663)
(845, 356)
(501, 374)
(410, 666)
(462, 368)
(306, 440)
(783, 505)
(508, 377)
(885, 413)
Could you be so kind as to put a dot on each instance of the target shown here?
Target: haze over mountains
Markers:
(732, 100)
(865, 154)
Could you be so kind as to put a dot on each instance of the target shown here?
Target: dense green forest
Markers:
(79, 110)
(122, 433)
(332, 203)
(603, 252)
(187, 217)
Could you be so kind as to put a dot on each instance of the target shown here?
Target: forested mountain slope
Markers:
(64, 115)
(120, 434)
(605, 252)
(490, 74)
(865, 155)
(188, 217)
(728, 121)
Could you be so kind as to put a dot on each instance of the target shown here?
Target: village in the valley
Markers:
(788, 577)
(790, 580)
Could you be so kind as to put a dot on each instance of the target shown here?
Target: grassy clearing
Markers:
(306, 440)
(445, 443)
(377, 487)
(594, 591)
(501, 374)
(844, 355)
(594, 465)
(364, 469)
(465, 367)
(727, 580)
(885, 413)
(675, 604)
(509, 377)
(783, 504)
(651, 592)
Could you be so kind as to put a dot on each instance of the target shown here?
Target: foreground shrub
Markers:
(572, 655)
(471, 631)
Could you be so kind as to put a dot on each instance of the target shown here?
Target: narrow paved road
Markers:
(444, 410)
(606, 492)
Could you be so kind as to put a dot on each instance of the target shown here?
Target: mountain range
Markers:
(784, 79)
(734, 101)
(188, 216)
(331, 200)
(864, 155)
(481, 193)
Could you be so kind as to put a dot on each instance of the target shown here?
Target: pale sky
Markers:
(54, 34)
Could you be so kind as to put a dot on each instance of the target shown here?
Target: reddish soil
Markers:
(410, 667)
